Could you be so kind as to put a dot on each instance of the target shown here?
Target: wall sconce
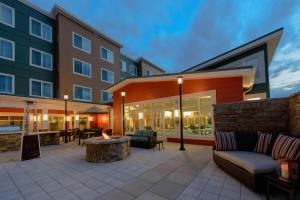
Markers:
(68, 118)
(141, 115)
(91, 118)
(45, 117)
(35, 118)
(76, 117)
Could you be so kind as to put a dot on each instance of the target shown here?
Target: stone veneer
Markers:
(12, 141)
(273, 115)
(101, 150)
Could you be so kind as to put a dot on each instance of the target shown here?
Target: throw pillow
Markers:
(263, 142)
(286, 147)
(225, 141)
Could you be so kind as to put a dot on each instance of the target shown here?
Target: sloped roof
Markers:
(271, 39)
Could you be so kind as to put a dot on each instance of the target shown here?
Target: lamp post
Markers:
(180, 81)
(66, 97)
(123, 109)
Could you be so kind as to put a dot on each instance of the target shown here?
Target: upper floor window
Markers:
(7, 15)
(106, 96)
(82, 93)
(149, 72)
(107, 76)
(40, 29)
(82, 68)
(40, 59)
(107, 55)
(81, 43)
(7, 49)
(123, 66)
(7, 82)
(40, 88)
(133, 70)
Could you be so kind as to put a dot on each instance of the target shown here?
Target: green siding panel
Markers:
(21, 67)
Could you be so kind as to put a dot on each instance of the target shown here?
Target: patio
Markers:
(63, 173)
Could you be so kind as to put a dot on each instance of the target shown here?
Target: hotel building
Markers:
(44, 56)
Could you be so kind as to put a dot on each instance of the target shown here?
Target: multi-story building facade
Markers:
(27, 57)
(46, 55)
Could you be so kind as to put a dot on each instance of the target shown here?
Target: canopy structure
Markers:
(94, 110)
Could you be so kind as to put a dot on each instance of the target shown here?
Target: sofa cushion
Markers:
(139, 138)
(225, 141)
(286, 147)
(245, 141)
(264, 140)
(252, 162)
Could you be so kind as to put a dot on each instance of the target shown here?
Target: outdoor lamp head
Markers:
(66, 97)
(179, 80)
(123, 94)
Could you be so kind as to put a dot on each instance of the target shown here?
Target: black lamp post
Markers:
(66, 97)
(180, 81)
(123, 110)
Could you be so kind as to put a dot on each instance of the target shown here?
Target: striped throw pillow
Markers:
(225, 141)
(263, 142)
(286, 147)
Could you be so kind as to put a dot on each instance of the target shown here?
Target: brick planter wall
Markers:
(262, 115)
(274, 115)
(294, 113)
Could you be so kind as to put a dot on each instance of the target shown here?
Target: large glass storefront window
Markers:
(163, 116)
(169, 119)
(11, 121)
(56, 123)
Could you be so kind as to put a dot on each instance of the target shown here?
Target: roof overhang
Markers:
(271, 40)
(248, 74)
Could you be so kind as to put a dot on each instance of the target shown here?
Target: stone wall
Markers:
(12, 141)
(262, 115)
(294, 113)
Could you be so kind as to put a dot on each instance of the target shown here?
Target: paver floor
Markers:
(63, 173)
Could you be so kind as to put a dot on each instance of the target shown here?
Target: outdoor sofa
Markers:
(245, 164)
(143, 139)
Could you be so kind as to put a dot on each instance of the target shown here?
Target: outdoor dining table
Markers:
(88, 133)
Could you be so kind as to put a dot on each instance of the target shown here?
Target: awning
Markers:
(94, 110)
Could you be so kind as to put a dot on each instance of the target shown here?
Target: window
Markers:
(7, 15)
(149, 72)
(81, 93)
(7, 49)
(82, 68)
(40, 59)
(106, 96)
(40, 30)
(123, 66)
(107, 55)
(82, 43)
(7, 82)
(40, 88)
(107, 76)
(133, 70)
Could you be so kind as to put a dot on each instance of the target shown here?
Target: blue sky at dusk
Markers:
(179, 34)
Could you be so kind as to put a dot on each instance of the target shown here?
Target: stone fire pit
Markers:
(99, 149)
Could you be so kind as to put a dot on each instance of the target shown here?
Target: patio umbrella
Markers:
(94, 110)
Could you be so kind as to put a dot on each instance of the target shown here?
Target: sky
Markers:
(178, 34)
